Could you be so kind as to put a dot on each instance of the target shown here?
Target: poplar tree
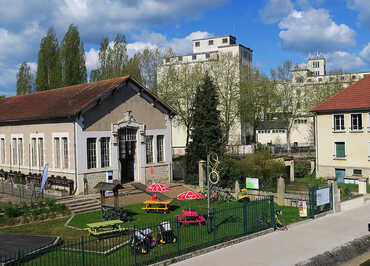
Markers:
(24, 79)
(205, 133)
(72, 56)
(132, 68)
(48, 74)
(113, 59)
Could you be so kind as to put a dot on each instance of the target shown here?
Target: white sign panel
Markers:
(251, 183)
(322, 196)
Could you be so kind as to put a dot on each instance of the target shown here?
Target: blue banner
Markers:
(44, 177)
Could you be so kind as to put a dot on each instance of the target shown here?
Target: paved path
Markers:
(299, 243)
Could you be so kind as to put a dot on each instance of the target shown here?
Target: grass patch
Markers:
(53, 227)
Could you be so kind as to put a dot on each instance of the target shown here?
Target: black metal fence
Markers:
(153, 243)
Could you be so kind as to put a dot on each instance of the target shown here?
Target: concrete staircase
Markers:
(79, 204)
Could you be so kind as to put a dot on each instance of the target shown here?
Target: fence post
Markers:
(178, 237)
(245, 216)
(272, 212)
(82, 251)
(134, 244)
(214, 226)
(19, 258)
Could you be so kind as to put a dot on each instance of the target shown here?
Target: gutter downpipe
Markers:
(75, 153)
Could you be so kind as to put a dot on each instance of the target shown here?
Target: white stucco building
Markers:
(205, 52)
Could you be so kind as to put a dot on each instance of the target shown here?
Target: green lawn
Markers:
(228, 223)
(53, 227)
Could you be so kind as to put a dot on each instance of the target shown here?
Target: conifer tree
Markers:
(24, 79)
(72, 56)
(205, 133)
(48, 74)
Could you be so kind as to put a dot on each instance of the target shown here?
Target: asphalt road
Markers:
(10, 244)
(299, 243)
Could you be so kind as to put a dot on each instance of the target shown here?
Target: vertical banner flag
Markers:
(44, 177)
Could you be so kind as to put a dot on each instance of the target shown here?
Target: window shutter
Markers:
(340, 150)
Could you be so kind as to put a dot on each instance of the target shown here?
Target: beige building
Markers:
(342, 133)
(205, 52)
(111, 129)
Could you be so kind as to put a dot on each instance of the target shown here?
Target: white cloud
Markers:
(314, 30)
(363, 7)
(344, 60)
(91, 57)
(135, 47)
(365, 53)
(275, 10)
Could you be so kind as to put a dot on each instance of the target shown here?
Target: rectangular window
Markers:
(160, 151)
(14, 151)
(338, 122)
(57, 152)
(356, 121)
(149, 148)
(224, 40)
(179, 58)
(207, 55)
(357, 171)
(41, 152)
(197, 44)
(91, 153)
(34, 153)
(65, 152)
(104, 149)
(194, 57)
(2, 147)
(210, 42)
(20, 151)
(340, 151)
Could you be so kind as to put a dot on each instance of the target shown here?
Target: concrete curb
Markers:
(212, 248)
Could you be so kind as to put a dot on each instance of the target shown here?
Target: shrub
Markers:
(11, 210)
(301, 168)
(261, 165)
(229, 173)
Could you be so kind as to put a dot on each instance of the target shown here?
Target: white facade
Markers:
(206, 51)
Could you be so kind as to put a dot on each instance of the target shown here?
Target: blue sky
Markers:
(276, 30)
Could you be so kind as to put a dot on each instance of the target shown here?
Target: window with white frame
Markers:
(14, 152)
(91, 153)
(65, 152)
(356, 121)
(340, 150)
(20, 151)
(33, 152)
(2, 150)
(41, 152)
(104, 151)
(149, 148)
(160, 148)
(338, 122)
(57, 153)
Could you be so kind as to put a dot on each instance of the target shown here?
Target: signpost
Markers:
(251, 183)
(323, 196)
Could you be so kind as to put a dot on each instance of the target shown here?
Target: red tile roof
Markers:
(354, 97)
(62, 102)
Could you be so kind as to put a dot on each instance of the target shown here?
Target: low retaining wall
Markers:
(290, 199)
(341, 254)
(352, 203)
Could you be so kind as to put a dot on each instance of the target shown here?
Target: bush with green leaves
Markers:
(10, 210)
(229, 172)
(261, 165)
(301, 168)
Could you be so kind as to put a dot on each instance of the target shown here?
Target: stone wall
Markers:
(161, 174)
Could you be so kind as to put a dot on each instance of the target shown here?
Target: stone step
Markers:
(86, 206)
(81, 203)
(89, 209)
